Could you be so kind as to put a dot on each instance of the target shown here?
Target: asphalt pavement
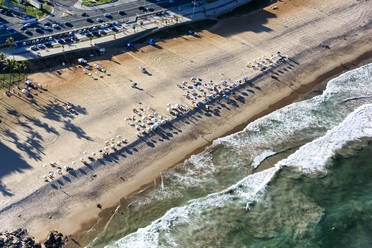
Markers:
(123, 12)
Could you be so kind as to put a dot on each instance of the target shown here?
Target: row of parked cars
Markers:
(71, 37)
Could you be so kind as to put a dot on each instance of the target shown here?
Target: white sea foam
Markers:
(260, 158)
(248, 189)
(315, 155)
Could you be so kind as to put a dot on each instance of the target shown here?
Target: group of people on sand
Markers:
(265, 63)
(88, 69)
(145, 120)
(26, 90)
(110, 146)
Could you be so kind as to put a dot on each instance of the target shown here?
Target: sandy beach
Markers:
(321, 38)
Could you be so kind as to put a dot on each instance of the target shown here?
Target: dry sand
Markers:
(323, 38)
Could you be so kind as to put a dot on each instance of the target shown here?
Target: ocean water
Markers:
(316, 193)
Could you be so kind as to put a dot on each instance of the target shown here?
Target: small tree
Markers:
(2, 58)
(134, 28)
(90, 40)
(10, 41)
(141, 23)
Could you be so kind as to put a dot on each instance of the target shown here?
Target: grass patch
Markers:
(9, 79)
(29, 10)
(95, 3)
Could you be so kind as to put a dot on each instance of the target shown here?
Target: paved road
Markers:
(129, 7)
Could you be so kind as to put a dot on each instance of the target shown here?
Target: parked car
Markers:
(121, 12)
(41, 46)
(107, 15)
(28, 32)
(99, 20)
(10, 29)
(84, 14)
(90, 20)
(56, 26)
(34, 48)
(151, 9)
(69, 24)
(48, 24)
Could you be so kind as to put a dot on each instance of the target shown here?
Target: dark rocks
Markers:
(18, 239)
(55, 240)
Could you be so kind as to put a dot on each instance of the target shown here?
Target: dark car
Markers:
(150, 9)
(69, 24)
(48, 24)
(142, 9)
(84, 14)
(39, 30)
(28, 32)
(23, 28)
(89, 20)
(122, 12)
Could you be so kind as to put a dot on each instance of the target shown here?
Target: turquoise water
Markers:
(201, 204)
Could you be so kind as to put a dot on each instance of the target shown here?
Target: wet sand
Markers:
(322, 39)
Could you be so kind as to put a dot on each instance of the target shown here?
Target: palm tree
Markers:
(2, 67)
(21, 69)
(10, 41)
(10, 64)
(24, 68)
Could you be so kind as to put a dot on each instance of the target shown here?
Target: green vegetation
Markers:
(29, 9)
(11, 71)
(10, 41)
(96, 2)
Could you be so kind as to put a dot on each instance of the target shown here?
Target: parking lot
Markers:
(89, 23)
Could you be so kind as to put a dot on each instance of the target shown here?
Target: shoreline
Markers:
(64, 213)
(295, 96)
